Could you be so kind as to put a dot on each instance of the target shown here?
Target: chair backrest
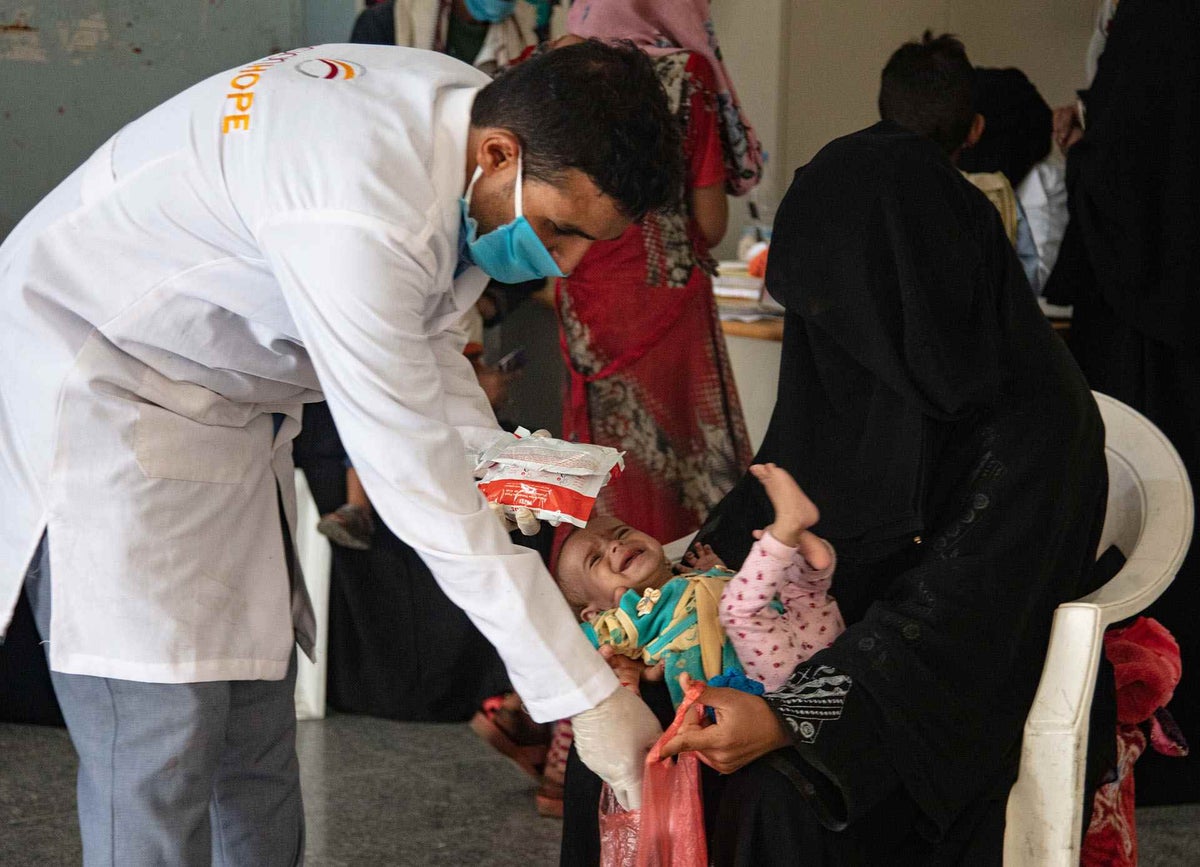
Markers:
(1149, 510)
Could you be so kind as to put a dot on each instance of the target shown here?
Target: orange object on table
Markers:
(758, 263)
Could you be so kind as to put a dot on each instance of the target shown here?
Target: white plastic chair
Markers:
(1150, 520)
(315, 556)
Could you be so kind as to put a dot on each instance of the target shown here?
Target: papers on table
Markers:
(740, 297)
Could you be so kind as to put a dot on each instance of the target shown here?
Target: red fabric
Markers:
(652, 355)
(1111, 839)
(1147, 668)
(702, 147)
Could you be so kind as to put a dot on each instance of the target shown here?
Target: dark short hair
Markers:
(596, 107)
(926, 87)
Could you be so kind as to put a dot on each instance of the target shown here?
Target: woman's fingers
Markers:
(691, 736)
(746, 728)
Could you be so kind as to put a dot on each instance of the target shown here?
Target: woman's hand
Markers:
(1068, 127)
(746, 728)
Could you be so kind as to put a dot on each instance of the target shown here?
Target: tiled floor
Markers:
(384, 793)
(375, 793)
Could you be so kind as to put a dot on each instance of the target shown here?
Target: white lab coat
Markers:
(198, 274)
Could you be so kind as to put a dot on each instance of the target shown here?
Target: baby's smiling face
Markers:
(599, 562)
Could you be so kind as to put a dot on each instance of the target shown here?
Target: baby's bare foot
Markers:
(794, 511)
(814, 550)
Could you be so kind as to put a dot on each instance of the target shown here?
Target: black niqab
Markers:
(1129, 263)
(956, 455)
(891, 319)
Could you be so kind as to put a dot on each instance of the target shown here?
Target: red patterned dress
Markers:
(648, 370)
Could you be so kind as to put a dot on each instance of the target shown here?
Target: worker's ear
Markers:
(497, 150)
(976, 132)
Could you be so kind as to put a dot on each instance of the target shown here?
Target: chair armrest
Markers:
(1045, 810)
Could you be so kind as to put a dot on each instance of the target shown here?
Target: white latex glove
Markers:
(516, 519)
(613, 739)
(520, 518)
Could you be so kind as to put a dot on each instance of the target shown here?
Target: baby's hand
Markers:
(794, 511)
(628, 671)
(701, 558)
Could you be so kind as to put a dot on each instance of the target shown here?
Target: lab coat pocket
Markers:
(171, 446)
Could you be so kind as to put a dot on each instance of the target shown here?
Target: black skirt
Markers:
(398, 647)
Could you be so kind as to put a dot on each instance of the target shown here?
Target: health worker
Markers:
(307, 226)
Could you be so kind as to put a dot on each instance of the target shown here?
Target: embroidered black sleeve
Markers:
(813, 695)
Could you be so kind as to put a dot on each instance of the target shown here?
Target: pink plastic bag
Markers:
(618, 831)
(669, 829)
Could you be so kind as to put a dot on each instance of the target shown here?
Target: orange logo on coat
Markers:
(242, 85)
(330, 69)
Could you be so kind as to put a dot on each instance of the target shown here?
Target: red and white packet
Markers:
(555, 479)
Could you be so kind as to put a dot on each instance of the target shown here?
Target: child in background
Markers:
(761, 622)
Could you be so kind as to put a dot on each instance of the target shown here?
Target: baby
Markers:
(763, 621)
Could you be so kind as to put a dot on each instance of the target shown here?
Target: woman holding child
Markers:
(956, 455)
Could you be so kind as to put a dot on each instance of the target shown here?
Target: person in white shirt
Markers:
(312, 223)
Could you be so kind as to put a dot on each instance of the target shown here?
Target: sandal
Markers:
(503, 724)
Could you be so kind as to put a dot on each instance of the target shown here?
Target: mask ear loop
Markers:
(471, 186)
(517, 202)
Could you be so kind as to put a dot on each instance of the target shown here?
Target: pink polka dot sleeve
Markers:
(770, 645)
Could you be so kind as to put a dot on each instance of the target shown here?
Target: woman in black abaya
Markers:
(956, 455)
(1130, 263)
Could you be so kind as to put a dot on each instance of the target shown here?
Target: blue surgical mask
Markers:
(512, 253)
(490, 10)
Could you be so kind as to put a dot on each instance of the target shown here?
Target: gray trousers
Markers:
(180, 774)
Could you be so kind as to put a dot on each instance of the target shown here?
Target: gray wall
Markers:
(72, 72)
